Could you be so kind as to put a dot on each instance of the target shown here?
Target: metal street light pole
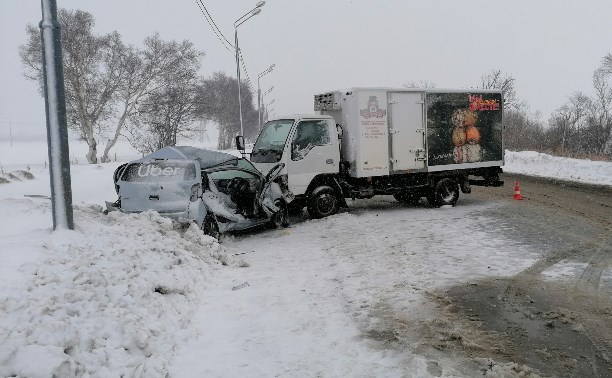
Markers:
(259, 93)
(262, 100)
(55, 106)
(253, 12)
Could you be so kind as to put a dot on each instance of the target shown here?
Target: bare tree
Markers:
(420, 84)
(152, 77)
(523, 131)
(166, 110)
(602, 78)
(218, 101)
(495, 79)
(106, 80)
(92, 72)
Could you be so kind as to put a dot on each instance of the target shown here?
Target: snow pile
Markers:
(580, 170)
(112, 298)
(6, 177)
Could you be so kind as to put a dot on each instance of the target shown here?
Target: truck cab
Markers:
(309, 147)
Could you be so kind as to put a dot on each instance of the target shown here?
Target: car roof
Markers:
(206, 158)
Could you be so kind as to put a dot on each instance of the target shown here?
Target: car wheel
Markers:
(211, 227)
(323, 202)
(280, 219)
(446, 192)
(407, 198)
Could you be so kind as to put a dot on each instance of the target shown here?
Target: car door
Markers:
(314, 151)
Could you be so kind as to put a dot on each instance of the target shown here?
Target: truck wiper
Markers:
(263, 151)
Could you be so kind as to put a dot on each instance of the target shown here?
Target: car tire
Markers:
(445, 192)
(210, 226)
(280, 219)
(323, 202)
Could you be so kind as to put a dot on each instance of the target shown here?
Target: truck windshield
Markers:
(271, 141)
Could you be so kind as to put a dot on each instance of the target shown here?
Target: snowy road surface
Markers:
(330, 297)
(491, 286)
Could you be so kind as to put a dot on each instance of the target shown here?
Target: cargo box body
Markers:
(388, 131)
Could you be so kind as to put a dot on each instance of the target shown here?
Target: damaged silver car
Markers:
(218, 191)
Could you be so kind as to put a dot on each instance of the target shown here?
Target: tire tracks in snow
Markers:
(399, 260)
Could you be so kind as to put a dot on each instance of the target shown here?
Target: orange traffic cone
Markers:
(517, 192)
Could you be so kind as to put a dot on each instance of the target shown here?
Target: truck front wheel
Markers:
(323, 202)
(445, 192)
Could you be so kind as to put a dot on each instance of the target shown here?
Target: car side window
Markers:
(309, 134)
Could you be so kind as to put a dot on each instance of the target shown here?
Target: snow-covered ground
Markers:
(128, 295)
(542, 165)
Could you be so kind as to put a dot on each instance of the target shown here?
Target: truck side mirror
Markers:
(240, 142)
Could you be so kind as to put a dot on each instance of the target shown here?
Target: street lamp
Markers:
(253, 12)
(262, 100)
(259, 93)
(267, 109)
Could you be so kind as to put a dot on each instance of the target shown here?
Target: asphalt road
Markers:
(558, 327)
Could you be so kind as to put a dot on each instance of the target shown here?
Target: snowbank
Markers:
(579, 170)
(113, 298)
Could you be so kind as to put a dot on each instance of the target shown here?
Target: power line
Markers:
(215, 29)
(245, 70)
(224, 41)
(213, 21)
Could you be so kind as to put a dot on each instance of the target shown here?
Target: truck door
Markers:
(407, 131)
(314, 151)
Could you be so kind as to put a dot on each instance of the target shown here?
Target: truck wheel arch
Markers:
(324, 182)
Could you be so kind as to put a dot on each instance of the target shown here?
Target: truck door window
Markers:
(309, 134)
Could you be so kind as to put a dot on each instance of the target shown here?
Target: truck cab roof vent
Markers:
(327, 101)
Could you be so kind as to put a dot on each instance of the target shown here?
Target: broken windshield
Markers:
(271, 141)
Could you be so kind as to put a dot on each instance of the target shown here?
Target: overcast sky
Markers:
(551, 47)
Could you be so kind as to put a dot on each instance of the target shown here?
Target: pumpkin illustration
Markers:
(459, 136)
(472, 135)
(458, 117)
(459, 154)
(472, 153)
(470, 118)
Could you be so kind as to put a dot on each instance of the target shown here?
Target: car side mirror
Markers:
(240, 143)
(196, 192)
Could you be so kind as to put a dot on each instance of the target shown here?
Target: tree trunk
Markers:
(92, 153)
(111, 143)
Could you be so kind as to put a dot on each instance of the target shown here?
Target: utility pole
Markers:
(55, 106)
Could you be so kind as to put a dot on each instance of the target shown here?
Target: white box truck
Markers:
(409, 143)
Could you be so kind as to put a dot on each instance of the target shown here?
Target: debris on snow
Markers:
(240, 286)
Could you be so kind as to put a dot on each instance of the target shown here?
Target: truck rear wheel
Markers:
(323, 202)
(445, 192)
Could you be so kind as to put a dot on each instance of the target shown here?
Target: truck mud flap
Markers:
(496, 184)
(343, 203)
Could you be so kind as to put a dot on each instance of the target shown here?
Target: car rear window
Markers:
(159, 171)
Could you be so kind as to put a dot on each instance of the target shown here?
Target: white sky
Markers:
(551, 47)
